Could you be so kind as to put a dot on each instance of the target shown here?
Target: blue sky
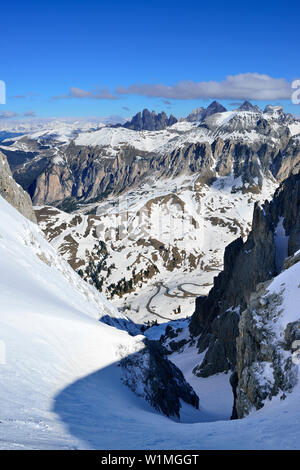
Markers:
(118, 57)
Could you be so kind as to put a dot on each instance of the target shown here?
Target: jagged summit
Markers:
(214, 108)
(247, 106)
(200, 114)
(146, 121)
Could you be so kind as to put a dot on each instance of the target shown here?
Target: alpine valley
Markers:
(150, 281)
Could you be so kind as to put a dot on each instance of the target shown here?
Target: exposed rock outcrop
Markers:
(152, 376)
(14, 193)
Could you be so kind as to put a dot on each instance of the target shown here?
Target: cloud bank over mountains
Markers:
(251, 86)
(13, 114)
(236, 88)
(243, 86)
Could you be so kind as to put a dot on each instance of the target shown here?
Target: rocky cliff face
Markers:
(12, 192)
(87, 176)
(275, 235)
(265, 345)
(147, 121)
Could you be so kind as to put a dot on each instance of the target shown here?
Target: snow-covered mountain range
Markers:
(152, 221)
(152, 211)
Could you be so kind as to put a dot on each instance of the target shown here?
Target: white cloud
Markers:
(29, 113)
(8, 114)
(79, 93)
(244, 86)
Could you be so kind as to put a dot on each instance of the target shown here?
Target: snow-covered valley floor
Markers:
(60, 380)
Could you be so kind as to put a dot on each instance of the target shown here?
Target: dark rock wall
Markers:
(216, 318)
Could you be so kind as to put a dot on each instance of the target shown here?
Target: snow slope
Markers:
(60, 381)
(50, 333)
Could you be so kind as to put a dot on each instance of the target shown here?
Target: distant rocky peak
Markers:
(150, 121)
(214, 108)
(200, 114)
(247, 106)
